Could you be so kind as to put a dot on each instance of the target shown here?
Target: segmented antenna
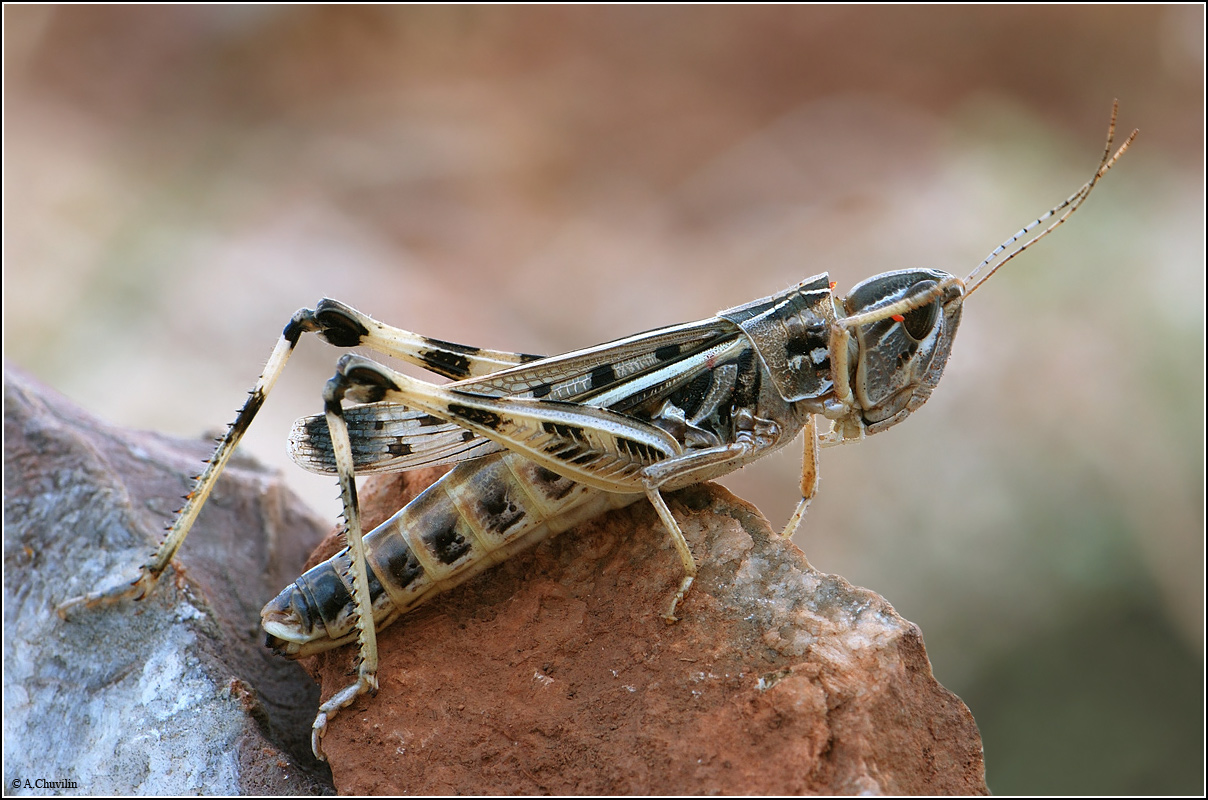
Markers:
(1070, 205)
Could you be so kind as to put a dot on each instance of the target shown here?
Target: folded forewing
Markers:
(620, 375)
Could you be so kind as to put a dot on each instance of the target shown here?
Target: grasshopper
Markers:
(541, 444)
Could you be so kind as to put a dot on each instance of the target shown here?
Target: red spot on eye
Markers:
(898, 318)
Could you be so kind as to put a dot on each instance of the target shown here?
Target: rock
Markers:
(555, 673)
(171, 695)
(552, 673)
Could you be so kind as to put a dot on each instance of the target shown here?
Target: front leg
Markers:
(809, 477)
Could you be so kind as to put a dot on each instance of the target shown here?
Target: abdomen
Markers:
(476, 516)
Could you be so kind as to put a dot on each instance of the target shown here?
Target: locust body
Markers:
(723, 392)
(541, 444)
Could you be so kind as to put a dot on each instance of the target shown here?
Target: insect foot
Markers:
(156, 701)
(556, 669)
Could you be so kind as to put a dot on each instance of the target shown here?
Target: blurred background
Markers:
(179, 180)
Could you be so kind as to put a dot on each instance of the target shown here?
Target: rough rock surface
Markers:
(171, 695)
(555, 673)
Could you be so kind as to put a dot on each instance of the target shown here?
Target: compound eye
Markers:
(919, 322)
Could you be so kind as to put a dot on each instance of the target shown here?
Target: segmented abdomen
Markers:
(479, 514)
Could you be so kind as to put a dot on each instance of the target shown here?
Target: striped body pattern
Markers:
(498, 502)
(476, 516)
(541, 444)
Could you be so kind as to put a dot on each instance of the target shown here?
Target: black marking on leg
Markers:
(244, 418)
(454, 346)
(399, 448)
(563, 451)
(564, 431)
(337, 325)
(602, 376)
(525, 358)
(292, 332)
(302, 321)
(372, 394)
(367, 385)
(427, 421)
(448, 358)
(368, 376)
(642, 450)
(467, 436)
(540, 390)
(479, 416)
(444, 363)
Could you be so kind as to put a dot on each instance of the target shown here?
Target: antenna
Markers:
(1070, 205)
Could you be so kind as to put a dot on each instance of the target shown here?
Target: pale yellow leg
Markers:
(681, 546)
(337, 324)
(809, 477)
(366, 633)
(150, 572)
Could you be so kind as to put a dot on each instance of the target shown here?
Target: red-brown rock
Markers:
(555, 673)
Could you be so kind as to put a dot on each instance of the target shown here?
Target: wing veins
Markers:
(642, 367)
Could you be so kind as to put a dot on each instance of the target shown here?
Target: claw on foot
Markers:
(366, 682)
(670, 617)
(316, 736)
(137, 589)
